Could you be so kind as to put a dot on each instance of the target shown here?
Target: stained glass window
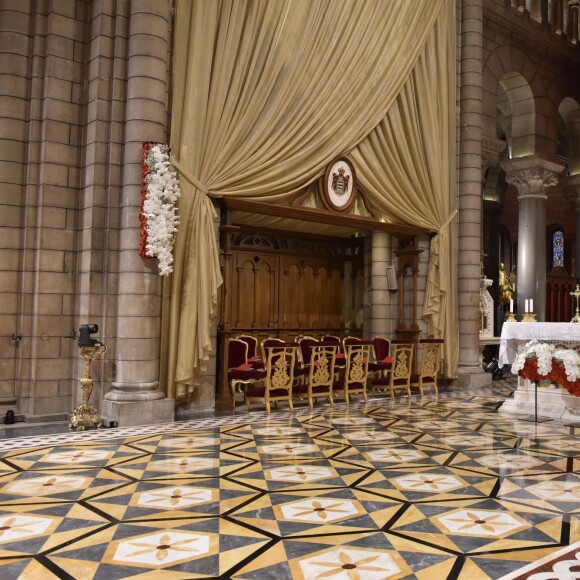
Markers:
(558, 249)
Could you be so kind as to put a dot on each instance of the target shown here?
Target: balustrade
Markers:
(561, 16)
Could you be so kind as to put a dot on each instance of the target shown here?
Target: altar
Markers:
(514, 334)
(553, 402)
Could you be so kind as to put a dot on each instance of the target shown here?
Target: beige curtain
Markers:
(266, 93)
(407, 164)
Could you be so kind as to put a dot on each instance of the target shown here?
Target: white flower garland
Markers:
(544, 353)
(159, 207)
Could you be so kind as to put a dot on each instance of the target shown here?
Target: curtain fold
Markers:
(407, 165)
(266, 93)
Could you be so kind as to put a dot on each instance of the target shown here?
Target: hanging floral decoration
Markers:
(159, 194)
(541, 360)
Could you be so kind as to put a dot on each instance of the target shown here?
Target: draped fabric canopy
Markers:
(266, 93)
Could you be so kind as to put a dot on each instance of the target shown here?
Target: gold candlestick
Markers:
(85, 414)
(576, 295)
(509, 317)
(529, 317)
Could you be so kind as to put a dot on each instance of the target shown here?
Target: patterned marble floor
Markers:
(432, 489)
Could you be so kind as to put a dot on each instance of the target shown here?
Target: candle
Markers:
(511, 305)
(531, 304)
(527, 305)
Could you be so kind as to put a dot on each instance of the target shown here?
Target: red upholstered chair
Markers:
(240, 372)
(321, 378)
(402, 367)
(253, 354)
(341, 357)
(331, 338)
(382, 359)
(430, 363)
(305, 344)
(268, 342)
(356, 370)
(279, 379)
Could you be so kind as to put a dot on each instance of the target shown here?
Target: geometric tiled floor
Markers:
(430, 489)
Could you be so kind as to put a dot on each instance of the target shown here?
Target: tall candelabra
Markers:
(576, 295)
(85, 414)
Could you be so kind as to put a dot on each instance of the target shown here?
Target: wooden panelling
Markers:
(287, 287)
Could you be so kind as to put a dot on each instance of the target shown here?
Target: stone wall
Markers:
(83, 84)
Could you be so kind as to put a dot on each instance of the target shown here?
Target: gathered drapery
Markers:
(407, 166)
(266, 93)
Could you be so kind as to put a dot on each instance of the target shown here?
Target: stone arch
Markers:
(569, 133)
(512, 84)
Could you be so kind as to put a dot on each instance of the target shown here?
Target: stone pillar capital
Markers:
(532, 176)
(490, 152)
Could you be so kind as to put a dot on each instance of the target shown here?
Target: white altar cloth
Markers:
(515, 333)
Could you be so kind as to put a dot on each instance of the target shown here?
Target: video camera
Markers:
(85, 339)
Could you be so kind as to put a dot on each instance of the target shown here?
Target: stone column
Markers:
(470, 372)
(490, 170)
(380, 298)
(136, 398)
(347, 294)
(532, 177)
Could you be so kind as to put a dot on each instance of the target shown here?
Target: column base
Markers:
(129, 413)
(472, 377)
(129, 392)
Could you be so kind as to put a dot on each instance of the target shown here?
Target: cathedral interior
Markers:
(287, 378)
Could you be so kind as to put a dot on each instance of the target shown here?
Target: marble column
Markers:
(470, 372)
(380, 297)
(532, 176)
(136, 398)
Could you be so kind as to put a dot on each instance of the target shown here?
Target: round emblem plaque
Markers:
(338, 186)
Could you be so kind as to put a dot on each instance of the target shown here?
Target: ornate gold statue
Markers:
(505, 287)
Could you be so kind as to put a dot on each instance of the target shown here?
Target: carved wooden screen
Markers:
(285, 286)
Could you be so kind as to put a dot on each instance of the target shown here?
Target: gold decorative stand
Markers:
(85, 414)
(529, 317)
(576, 295)
(509, 317)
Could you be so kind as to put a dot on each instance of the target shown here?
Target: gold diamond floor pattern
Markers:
(432, 489)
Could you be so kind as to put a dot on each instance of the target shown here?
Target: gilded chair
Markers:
(240, 372)
(305, 344)
(430, 362)
(268, 342)
(279, 379)
(399, 376)
(382, 360)
(356, 370)
(320, 373)
(253, 354)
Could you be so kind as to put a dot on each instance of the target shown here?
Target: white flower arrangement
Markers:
(159, 210)
(544, 353)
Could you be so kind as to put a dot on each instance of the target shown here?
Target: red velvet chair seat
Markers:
(382, 382)
(246, 375)
(338, 385)
(415, 379)
(261, 391)
(399, 382)
(257, 362)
